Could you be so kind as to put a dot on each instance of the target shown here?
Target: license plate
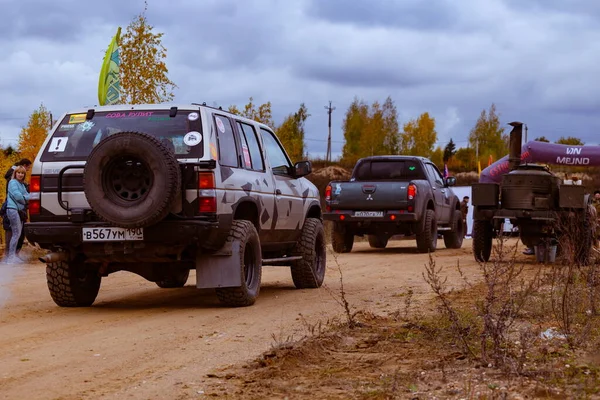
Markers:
(368, 213)
(111, 234)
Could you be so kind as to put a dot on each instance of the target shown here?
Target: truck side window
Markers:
(435, 174)
(280, 164)
(228, 155)
(253, 146)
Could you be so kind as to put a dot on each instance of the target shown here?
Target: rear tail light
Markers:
(328, 193)
(35, 200)
(327, 198)
(35, 184)
(207, 195)
(412, 191)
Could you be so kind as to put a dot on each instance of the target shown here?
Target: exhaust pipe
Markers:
(54, 257)
(516, 138)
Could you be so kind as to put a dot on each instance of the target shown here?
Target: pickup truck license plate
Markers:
(111, 234)
(368, 213)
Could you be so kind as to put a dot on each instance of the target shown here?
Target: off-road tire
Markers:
(483, 233)
(131, 180)
(71, 284)
(378, 241)
(453, 239)
(427, 237)
(175, 279)
(341, 239)
(309, 272)
(251, 275)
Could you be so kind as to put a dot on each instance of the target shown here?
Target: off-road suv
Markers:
(159, 190)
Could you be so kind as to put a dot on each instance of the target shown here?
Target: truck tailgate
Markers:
(369, 196)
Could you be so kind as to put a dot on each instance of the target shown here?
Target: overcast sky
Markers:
(538, 60)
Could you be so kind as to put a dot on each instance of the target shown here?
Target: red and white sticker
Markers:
(246, 156)
(220, 125)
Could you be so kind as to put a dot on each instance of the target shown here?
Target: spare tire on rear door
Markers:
(131, 179)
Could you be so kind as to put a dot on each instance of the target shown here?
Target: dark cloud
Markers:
(536, 60)
(61, 21)
(413, 14)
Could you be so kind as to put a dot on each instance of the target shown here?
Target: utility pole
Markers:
(329, 111)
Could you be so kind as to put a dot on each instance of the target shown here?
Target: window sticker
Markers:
(193, 116)
(77, 118)
(85, 126)
(131, 114)
(246, 156)
(58, 144)
(157, 118)
(192, 138)
(66, 127)
(220, 125)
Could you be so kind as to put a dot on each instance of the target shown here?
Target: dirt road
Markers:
(142, 342)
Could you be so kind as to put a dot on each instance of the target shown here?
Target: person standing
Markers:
(464, 210)
(16, 210)
(26, 163)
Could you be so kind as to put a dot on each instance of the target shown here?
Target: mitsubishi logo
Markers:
(369, 197)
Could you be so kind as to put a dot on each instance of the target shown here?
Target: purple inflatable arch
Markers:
(544, 153)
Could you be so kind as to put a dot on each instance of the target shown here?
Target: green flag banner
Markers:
(109, 89)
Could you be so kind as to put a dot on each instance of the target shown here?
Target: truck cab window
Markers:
(280, 164)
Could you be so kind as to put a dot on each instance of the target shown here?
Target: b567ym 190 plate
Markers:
(112, 234)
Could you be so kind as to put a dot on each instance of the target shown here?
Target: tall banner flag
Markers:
(478, 168)
(109, 85)
(446, 173)
(490, 160)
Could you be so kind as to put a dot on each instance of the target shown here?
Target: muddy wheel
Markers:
(453, 239)
(341, 239)
(174, 279)
(483, 234)
(131, 180)
(309, 272)
(72, 284)
(250, 266)
(427, 238)
(378, 241)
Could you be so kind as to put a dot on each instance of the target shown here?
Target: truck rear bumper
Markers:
(165, 232)
(387, 217)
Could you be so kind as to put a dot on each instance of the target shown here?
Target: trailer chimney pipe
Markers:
(516, 138)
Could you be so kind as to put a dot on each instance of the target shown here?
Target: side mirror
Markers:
(302, 168)
(450, 181)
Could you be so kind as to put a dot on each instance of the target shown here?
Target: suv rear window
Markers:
(384, 170)
(75, 137)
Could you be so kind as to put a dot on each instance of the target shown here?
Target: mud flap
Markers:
(220, 269)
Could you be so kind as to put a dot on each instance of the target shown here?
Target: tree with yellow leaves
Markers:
(143, 71)
(261, 114)
(33, 135)
(291, 133)
(419, 136)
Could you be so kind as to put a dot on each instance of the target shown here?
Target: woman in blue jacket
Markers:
(16, 207)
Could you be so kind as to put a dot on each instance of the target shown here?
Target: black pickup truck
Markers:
(394, 195)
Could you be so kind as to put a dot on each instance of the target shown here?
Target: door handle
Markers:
(277, 192)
